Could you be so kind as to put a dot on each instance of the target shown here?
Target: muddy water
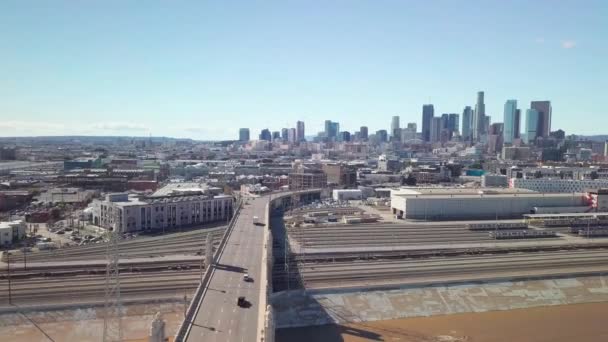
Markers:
(564, 323)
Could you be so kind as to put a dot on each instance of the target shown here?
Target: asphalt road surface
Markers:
(219, 318)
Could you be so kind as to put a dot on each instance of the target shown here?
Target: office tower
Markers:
(265, 135)
(428, 111)
(395, 134)
(292, 135)
(244, 134)
(408, 134)
(382, 135)
(453, 123)
(517, 124)
(412, 126)
(300, 131)
(544, 117)
(511, 122)
(276, 135)
(363, 133)
(436, 128)
(479, 117)
(331, 129)
(486, 124)
(532, 124)
(445, 118)
(467, 123)
(344, 136)
(327, 128)
(335, 128)
(284, 134)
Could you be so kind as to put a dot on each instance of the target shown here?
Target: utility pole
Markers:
(185, 303)
(8, 270)
(112, 320)
(24, 257)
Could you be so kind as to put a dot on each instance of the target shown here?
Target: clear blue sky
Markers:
(203, 69)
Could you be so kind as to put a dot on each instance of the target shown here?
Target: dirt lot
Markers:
(566, 323)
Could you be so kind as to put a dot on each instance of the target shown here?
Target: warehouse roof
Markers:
(564, 215)
(460, 191)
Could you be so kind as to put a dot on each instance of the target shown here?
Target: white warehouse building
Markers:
(475, 204)
(11, 231)
(347, 194)
(551, 185)
(131, 213)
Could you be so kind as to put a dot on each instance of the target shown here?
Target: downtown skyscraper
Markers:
(532, 125)
(467, 123)
(511, 122)
(479, 117)
(428, 111)
(300, 131)
(544, 117)
(244, 134)
(395, 128)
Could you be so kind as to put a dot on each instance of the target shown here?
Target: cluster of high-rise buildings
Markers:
(289, 135)
(472, 127)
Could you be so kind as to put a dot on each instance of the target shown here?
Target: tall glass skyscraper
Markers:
(454, 123)
(467, 123)
(428, 111)
(511, 122)
(395, 132)
(244, 134)
(332, 129)
(479, 118)
(300, 131)
(532, 123)
(544, 117)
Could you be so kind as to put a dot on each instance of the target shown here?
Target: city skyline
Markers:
(206, 66)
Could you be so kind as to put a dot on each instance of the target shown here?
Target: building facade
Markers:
(363, 133)
(300, 132)
(11, 232)
(511, 122)
(445, 205)
(549, 185)
(543, 108)
(244, 134)
(395, 134)
(532, 124)
(479, 117)
(467, 122)
(428, 112)
(132, 214)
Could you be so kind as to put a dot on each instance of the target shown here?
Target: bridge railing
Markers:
(184, 328)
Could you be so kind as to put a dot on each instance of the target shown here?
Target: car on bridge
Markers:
(242, 302)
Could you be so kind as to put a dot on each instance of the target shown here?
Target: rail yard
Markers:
(397, 252)
(156, 268)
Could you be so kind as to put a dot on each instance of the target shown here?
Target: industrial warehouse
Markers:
(479, 204)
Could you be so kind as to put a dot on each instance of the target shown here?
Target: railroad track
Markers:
(184, 243)
(84, 288)
(344, 272)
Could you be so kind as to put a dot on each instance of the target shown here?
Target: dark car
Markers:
(242, 302)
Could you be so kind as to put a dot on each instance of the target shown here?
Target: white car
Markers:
(246, 277)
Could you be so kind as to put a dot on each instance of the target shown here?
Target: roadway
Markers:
(218, 317)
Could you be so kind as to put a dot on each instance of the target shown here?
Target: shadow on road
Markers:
(230, 268)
